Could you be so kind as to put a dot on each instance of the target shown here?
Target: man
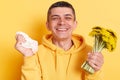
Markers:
(61, 53)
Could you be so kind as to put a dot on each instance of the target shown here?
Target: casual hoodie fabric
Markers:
(53, 63)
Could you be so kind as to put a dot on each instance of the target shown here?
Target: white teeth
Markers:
(62, 29)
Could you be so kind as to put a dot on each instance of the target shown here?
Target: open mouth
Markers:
(62, 29)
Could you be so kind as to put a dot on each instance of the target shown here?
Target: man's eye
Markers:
(68, 18)
(54, 18)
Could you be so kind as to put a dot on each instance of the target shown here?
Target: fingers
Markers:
(19, 46)
(95, 60)
(24, 51)
(20, 38)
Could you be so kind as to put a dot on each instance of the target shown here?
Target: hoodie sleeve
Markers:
(96, 76)
(31, 69)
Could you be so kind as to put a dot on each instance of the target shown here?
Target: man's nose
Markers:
(61, 21)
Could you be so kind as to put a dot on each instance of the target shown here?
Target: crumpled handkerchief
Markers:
(30, 43)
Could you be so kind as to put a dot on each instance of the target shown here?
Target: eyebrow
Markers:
(54, 15)
(68, 15)
(65, 15)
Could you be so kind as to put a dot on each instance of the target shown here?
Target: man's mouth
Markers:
(62, 29)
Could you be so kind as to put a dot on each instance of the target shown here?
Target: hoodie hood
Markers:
(78, 43)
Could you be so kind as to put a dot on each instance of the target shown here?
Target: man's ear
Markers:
(47, 25)
(75, 25)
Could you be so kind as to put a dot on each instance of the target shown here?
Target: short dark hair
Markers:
(61, 4)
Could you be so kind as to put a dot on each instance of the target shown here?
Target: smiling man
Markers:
(61, 53)
(61, 22)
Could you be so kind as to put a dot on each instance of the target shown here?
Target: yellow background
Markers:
(30, 15)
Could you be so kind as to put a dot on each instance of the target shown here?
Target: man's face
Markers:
(61, 22)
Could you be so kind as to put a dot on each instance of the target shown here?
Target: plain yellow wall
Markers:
(30, 15)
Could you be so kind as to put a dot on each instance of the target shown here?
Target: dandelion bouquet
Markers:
(104, 38)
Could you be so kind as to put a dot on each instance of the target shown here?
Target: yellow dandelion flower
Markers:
(95, 31)
(109, 47)
(105, 33)
(104, 38)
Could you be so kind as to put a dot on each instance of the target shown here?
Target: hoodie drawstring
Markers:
(68, 63)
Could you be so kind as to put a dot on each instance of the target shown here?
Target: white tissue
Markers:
(30, 43)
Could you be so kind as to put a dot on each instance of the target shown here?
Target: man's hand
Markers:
(25, 51)
(95, 60)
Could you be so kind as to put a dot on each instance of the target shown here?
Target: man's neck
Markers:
(64, 44)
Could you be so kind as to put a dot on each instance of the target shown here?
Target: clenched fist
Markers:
(25, 45)
(95, 60)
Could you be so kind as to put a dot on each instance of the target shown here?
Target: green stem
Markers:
(97, 43)
(102, 45)
(94, 46)
(87, 67)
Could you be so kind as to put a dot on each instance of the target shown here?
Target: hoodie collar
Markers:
(78, 43)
